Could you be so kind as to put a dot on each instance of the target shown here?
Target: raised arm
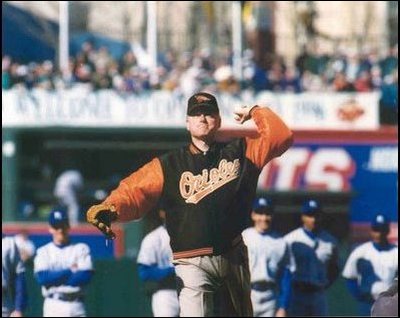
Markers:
(273, 140)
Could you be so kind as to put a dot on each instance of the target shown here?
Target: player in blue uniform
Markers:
(372, 267)
(155, 265)
(316, 263)
(63, 269)
(269, 263)
(14, 294)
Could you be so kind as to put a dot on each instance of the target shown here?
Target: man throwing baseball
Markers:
(207, 189)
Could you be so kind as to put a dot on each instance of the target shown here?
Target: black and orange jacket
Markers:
(207, 197)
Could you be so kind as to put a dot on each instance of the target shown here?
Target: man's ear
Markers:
(187, 123)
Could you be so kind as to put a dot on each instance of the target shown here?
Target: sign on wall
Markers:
(81, 108)
(370, 170)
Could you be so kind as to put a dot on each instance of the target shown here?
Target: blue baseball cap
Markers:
(380, 223)
(58, 217)
(263, 206)
(311, 208)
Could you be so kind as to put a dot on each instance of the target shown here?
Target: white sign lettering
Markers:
(300, 168)
(80, 107)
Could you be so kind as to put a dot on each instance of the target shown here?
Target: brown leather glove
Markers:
(101, 216)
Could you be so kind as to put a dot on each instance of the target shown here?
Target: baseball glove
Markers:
(101, 216)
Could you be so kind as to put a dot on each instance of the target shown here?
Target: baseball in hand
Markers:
(242, 114)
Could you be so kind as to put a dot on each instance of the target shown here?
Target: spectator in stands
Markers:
(225, 80)
(352, 67)
(290, 82)
(102, 58)
(390, 62)
(363, 83)
(337, 63)
(93, 69)
(101, 79)
(376, 77)
(275, 76)
(18, 75)
(83, 69)
(311, 82)
(341, 84)
(88, 53)
(389, 103)
(259, 79)
(45, 74)
(128, 61)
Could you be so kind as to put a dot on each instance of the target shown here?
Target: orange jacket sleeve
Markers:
(138, 193)
(273, 140)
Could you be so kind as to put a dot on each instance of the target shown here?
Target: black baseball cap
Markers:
(202, 102)
(380, 223)
(311, 208)
(263, 206)
(58, 217)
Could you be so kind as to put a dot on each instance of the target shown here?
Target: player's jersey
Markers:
(268, 255)
(311, 256)
(207, 196)
(155, 249)
(52, 257)
(375, 270)
(11, 266)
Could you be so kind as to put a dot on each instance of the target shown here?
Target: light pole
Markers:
(237, 39)
(152, 33)
(63, 37)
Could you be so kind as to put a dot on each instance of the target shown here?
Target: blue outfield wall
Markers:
(363, 163)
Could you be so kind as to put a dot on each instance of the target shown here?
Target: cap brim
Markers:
(313, 213)
(263, 211)
(203, 108)
(57, 225)
(380, 228)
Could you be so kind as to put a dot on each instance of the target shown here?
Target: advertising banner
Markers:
(343, 162)
(79, 107)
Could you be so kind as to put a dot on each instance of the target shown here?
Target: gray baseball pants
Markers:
(215, 286)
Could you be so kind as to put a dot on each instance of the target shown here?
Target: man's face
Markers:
(203, 125)
(262, 222)
(60, 233)
(311, 222)
(379, 237)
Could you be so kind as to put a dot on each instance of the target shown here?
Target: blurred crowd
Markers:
(188, 72)
(313, 71)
